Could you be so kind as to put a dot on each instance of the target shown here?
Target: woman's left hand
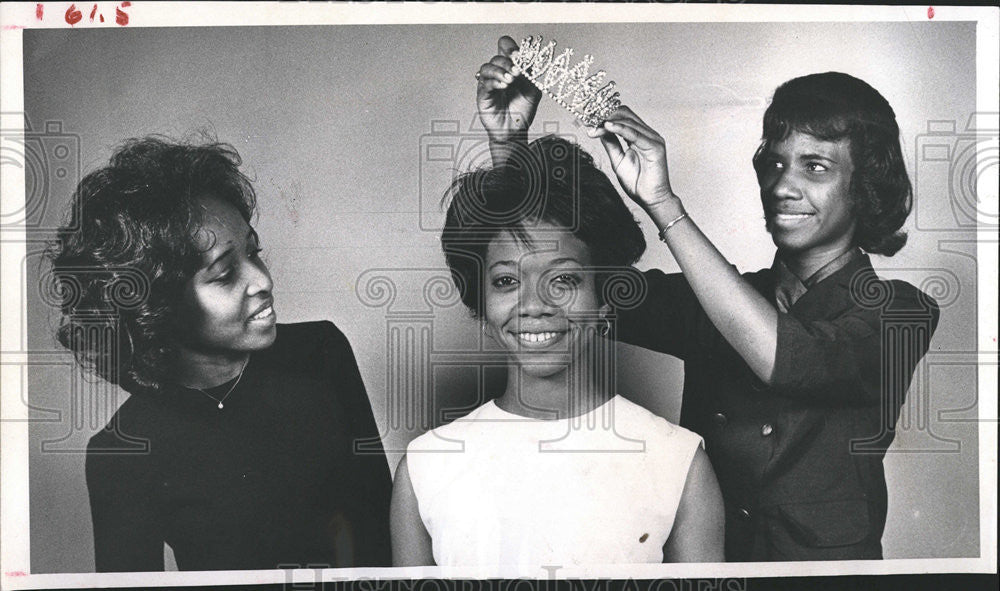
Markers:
(641, 166)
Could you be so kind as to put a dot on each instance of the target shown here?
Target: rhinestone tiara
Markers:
(583, 94)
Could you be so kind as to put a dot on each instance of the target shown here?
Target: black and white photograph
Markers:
(306, 292)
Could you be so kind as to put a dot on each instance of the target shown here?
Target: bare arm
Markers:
(698, 534)
(745, 318)
(411, 544)
(741, 314)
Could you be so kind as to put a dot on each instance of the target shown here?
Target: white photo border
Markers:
(14, 495)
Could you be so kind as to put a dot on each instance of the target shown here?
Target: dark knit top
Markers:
(290, 473)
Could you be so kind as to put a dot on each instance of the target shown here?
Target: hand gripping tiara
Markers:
(573, 86)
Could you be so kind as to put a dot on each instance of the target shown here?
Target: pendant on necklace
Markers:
(220, 406)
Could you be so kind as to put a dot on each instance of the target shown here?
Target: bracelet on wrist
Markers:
(670, 224)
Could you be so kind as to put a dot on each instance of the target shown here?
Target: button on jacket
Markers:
(800, 461)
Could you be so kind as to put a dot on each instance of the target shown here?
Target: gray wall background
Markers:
(331, 122)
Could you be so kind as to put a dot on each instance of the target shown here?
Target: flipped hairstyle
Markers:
(833, 106)
(123, 258)
(551, 180)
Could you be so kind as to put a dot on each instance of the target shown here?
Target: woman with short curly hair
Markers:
(559, 468)
(236, 446)
(141, 214)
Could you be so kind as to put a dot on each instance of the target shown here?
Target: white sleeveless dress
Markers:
(496, 489)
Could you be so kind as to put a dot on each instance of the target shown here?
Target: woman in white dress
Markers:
(559, 470)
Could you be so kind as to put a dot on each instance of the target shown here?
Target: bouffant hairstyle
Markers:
(550, 180)
(123, 258)
(832, 106)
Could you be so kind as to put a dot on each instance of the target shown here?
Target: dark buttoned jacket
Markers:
(799, 460)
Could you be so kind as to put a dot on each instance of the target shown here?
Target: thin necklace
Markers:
(233, 387)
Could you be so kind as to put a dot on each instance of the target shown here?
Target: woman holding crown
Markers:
(559, 469)
(794, 375)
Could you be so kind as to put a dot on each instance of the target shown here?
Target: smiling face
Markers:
(227, 305)
(539, 300)
(805, 189)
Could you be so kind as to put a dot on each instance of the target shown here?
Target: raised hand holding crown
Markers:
(638, 156)
(507, 102)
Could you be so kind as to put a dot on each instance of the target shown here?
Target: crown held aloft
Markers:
(583, 94)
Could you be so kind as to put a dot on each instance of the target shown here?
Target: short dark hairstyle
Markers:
(551, 180)
(832, 106)
(135, 221)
